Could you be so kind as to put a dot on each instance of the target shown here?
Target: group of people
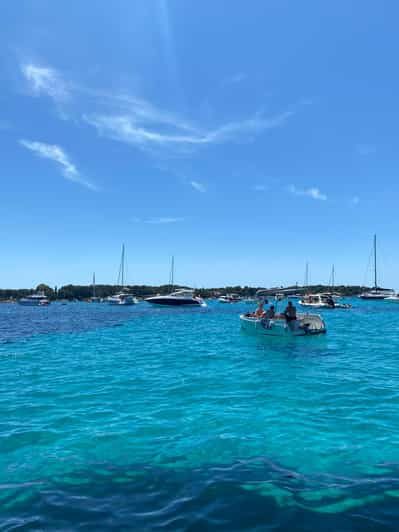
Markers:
(289, 313)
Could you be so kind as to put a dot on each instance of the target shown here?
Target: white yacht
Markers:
(35, 300)
(177, 298)
(182, 297)
(376, 293)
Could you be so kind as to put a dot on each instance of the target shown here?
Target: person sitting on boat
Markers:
(330, 302)
(259, 312)
(270, 313)
(290, 313)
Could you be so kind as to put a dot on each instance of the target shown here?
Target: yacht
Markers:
(376, 292)
(182, 297)
(177, 298)
(35, 300)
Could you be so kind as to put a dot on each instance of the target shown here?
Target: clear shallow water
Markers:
(173, 418)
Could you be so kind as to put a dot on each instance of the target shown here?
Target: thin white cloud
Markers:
(137, 122)
(130, 130)
(199, 187)
(45, 80)
(57, 154)
(312, 192)
(163, 220)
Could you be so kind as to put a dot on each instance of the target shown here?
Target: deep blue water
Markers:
(142, 418)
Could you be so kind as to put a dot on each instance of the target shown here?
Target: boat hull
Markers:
(174, 301)
(305, 325)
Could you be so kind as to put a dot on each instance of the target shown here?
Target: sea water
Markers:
(173, 418)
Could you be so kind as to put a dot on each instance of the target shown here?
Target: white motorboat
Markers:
(305, 324)
(35, 300)
(325, 301)
(229, 298)
(123, 298)
(393, 297)
(376, 293)
(181, 297)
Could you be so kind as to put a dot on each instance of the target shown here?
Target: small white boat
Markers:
(35, 300)
(123, 298)
(325, 301)
(183, 297)
(393, 297)
(229, 298)
(305, 324)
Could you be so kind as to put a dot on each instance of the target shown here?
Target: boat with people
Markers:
(323, 301)
(177, 298)
(39, 299)
(376, 293)
(123, 298)
(284, 324)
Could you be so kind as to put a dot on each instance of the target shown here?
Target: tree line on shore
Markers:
(78, 292)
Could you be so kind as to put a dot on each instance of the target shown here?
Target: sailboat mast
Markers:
(94, 284)
(375, 262)
(172, 272)
(123, 266)
(306, 283)
(333, 277)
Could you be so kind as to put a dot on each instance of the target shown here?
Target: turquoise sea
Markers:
(141, 418)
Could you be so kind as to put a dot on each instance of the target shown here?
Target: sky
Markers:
(244, 138)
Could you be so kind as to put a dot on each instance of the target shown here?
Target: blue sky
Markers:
(244, 138)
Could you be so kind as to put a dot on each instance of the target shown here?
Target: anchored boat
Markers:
(304, 325)
(326, 301)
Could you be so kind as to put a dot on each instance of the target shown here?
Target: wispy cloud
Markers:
(312, 192)
(199, 187)
(158, 220)
(57, 154)
(45, 80)
(130, 129)
(163, 220)
(135, 121)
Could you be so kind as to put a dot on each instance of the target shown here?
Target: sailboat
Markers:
(184, 296)
(123, 298)
(94, 298)
(375, 292)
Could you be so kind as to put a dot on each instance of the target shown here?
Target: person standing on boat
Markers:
(270, 313)
(290, 314)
